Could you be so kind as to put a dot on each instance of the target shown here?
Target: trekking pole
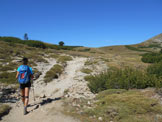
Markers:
(33, 89)
(18, 97)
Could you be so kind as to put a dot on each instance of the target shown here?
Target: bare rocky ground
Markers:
(46, 99)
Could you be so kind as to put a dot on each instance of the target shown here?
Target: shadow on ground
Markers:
(6, 96)
(43, 102)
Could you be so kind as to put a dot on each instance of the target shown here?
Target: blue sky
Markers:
(91, 23)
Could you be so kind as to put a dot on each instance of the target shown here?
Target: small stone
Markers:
(78, 105)
(89, 103)
(100, 118)
(43, 96)
(73, 104)
(67, 95)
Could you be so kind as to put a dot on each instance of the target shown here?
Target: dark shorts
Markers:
(22, 86)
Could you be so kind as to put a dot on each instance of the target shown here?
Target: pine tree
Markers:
(25, 36)
(61, 43)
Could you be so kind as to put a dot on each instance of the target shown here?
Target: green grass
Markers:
(119, 105)
(8, 78)
(131, 106)
(159, 91)
(34, 57)
(88, 62)
(53, 73)
(10, 66)
(84, 50)
(56, 56)
(135, 49)
(105, 59)
(64, 59)
(151, 57)
(151, 46)
(86, 70)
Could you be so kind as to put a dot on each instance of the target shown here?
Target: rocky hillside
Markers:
(57, 76)
(155, 40)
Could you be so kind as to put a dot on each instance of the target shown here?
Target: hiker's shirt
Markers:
(30, 69)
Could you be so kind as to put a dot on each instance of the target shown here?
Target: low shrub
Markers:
(135, 49)
(86, 70)
(122, 79)
(34, 57)
(88, 78)
(151, 57)
(53, 73)
(54, 56)
(10, 66)
(124, 106)
(84, 50)
(155, 69)
(4, 109)
(150, 46)
(90, 62)
(8, 77)
(64, 59)
(35, 43)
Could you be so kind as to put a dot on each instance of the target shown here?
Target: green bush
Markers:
(64, 59)
(11, 39)
(84, 50)
(155, 69)
(151, 57)
(122, 79)
(53, 73)
(8, 77)
(124, 106)
(150, 46)
(86, 70)
(135, 49)
(4, 109)
(32, 43)
(35, 43)
(54, 56)
(90, 62)
(10, 66)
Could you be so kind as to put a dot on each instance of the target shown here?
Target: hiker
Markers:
(24, 76)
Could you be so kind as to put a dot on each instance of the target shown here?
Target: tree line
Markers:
(36, 43)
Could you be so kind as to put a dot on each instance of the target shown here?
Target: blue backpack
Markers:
(24, 74)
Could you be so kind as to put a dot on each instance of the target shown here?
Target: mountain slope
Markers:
(154, 40)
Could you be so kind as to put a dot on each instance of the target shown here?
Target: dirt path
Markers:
(49, 107)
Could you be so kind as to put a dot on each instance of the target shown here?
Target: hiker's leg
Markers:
(26, 96)
(23, 95)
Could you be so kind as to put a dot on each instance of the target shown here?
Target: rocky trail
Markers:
(47, 106)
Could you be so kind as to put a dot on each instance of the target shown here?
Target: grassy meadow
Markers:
(122, 93)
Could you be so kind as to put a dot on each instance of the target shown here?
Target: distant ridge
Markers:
(154, 40)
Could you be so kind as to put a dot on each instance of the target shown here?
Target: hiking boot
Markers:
(25, 110)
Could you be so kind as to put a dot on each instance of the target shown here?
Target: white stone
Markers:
(100, 118)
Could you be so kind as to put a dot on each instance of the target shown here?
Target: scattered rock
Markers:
(36, 75)
(67, 95)
(100, 118)
(158, 117)
(43, 96)
(89, 103)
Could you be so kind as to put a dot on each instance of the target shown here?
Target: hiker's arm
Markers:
(32, 76)
(31, 73)
(17, 74)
